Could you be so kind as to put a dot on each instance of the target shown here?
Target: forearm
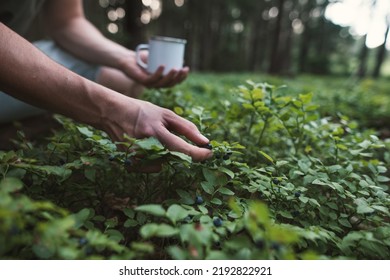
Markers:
(79, 37)
(29, 75)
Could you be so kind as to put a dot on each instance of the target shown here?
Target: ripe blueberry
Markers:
(275, 181)
(111, 158)
(198, 199)
(260, 244)
(188, 219)
(275, 246)
(83, 241)
(217, 222)
(297, 194)
(295, 213)
(128, 162)
(226, 157)
(88, 250)
(206, 146)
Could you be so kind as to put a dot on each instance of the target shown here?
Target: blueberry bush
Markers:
(286, 181)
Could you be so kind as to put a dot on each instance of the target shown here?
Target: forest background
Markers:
(282, 37)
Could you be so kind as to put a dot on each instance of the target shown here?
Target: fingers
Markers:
(175, 143)
(186, 128)
(173, 77)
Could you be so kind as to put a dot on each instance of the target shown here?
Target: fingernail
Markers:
(204, 138)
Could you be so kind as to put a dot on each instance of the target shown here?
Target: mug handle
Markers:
(138, 56)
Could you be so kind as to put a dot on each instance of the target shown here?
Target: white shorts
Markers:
(13, 109)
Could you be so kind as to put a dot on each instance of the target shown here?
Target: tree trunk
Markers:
(381, 55)
(276, 59)
(362, 71)
(133, 25)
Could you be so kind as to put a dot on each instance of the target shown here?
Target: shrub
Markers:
(284, 183)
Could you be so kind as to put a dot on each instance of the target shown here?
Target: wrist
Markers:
(124, 59)
(119, 116)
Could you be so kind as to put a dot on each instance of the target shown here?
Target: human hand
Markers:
(141, 119)
(155, 80)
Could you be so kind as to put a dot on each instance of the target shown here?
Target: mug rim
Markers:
(168, 39)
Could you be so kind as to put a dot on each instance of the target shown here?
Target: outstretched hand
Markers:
(141, 119)
(155, 80)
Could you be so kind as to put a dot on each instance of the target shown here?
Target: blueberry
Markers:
(275, 246)
(14, 230)
(128, 162)
(297, 194)
(206, 146)
(188, 219)
(88, 250)
(83, 241)
(111, 158)
(217, 222)
(226, 157)
(295, 213)
(260, 244)
(275, 181)
(198, 199)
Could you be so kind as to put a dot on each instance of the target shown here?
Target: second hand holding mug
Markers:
(163, 51)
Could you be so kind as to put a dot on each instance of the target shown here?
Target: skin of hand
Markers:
(29, 75)
(67, 25)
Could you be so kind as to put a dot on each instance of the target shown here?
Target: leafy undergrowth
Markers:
(284, 183)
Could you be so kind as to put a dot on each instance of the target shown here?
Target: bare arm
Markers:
(29, 75)
(68, 26)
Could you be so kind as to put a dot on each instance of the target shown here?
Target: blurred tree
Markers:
(363, 54)
(381, 54)
(275, 36)
(133, 25)
(276, 55)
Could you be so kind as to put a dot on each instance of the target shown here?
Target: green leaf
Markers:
(150, 143)
(216, 201)
(286, 214)
(203, 209)
(130, 223)
(383, 179)
(304, 199)
(226, 171)
(176, 213)
(129, 212)
(148, 230)
(164, 230)
(90, 174)
(210, 176)
(9, 185)
(381, 208)
(85, 131)
(182, 156)
(177, 253)
(153, 209)
(178, 110)
(225, 191)
(207, 187)
(267, 156)
(82, 216)
(306, 98)
(345, 222)
(364, 209)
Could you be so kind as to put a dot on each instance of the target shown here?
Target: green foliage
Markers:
(284, 182)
